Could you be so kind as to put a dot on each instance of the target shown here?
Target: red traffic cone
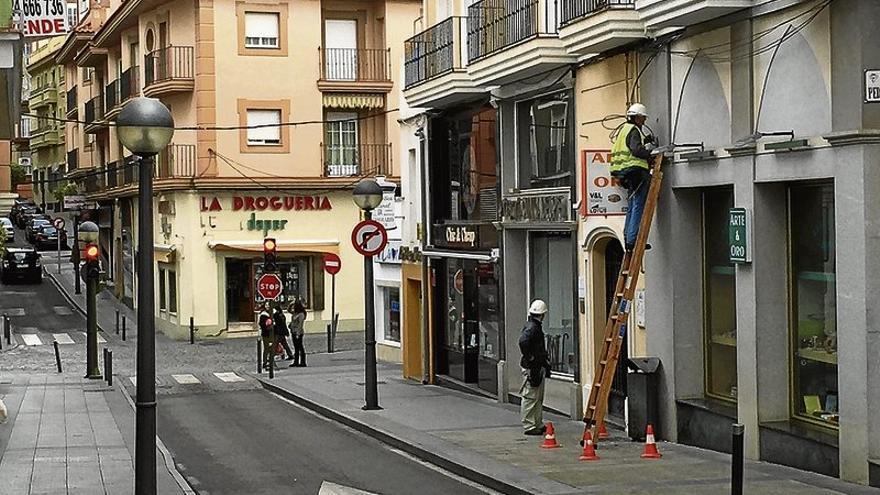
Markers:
(603, 433)
(550, 438)
(651, 451)
(589, 451)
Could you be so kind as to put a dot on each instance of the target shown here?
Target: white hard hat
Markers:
(538, 307)
(637, 109)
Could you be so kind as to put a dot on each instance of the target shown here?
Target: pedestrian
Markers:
(297, 319)
(629, 164)
(535, 368)
(267, 325)
(281, 331)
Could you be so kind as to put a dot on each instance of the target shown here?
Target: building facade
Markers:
(47, 103)
(252, 158)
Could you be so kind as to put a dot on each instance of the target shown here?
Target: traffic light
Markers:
(270, 258)
(92, 253)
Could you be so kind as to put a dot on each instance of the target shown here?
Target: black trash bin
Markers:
(641, 391)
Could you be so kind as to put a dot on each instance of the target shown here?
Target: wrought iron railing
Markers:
(129, 84)
(355, 64)
(435, 51)
(169, 64)
(112, 175)
(355, 160)
(572, 10)
(72, 160)
(72, 101)
(111, 95)
(94, 110)
(130, 170)
(176, 161)
(497, 24)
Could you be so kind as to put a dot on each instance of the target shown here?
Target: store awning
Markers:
(303, 246)
(164, 253)
(354, 100)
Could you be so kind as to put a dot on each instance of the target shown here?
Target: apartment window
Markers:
(72, 16)
(813, 302)
(163, 301)
(341, 138)
(719, 286)
(268, 134)
(261, 30)
(172, 291)
(545, 153)
(391, 303)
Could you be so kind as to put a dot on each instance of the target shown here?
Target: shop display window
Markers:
(719, 296)
(455, 306)
(490, 337)
(391, 297)
(550, 278)
(813, 303)
(545, 152)
(300, 281)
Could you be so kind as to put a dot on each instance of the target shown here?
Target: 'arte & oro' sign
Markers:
(266, 203)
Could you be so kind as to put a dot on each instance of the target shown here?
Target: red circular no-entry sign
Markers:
(332, 263)
(269, 286)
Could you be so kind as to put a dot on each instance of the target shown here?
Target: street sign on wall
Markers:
(42, 18)
(739, 236)
(872, 86)
(601, 194)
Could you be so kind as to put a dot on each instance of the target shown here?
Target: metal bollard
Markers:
(272, 361)
(259, 356)
(123, 329)
(57, 356)
(192, 331)
(108, 368)
(736, 481)
(104, 355)
(7, 329)
(117, 322)
(329, 338)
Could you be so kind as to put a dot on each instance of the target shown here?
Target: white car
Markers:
(10, 230)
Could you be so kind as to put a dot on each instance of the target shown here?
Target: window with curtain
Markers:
(341, 144)
(813, 300)
(269, 134)
(550, 279)
(261, 29)
(719, 289)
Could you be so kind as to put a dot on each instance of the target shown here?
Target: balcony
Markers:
(169, 70)
(656, 14)
(435, 66)
(176, 161)
(590, 27)
(514, 39)
(112, 175)
(129, 84)
(355, 69)
(356, 160)
(111, 100)
(72, 160)
(47, 135)
(94, 115)
(72, 102)
(42, 96)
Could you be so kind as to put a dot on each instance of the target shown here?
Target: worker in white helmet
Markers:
(630, 157)
(535, 367)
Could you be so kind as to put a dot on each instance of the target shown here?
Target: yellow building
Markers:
(47, 101)
(280, 107)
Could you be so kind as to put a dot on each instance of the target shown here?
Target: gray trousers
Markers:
(531, 407)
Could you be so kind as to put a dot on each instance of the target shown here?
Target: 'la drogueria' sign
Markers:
(268, 203)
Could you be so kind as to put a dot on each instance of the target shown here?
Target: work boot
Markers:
(631, 248)
(534, 432)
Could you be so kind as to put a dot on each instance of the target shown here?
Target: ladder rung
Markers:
(598, 385)
(592, 407)
(625, 272)
(609, 339)
(620, 294)
(614, 317)
(603, 362)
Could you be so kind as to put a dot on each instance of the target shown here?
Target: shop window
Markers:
(545, 155)
(263, 128)
(163, 303)
(303, 279)
(719, 289)
(172, 291)
(550, 278)
(813, 302)
(391, 296)
(261, 30)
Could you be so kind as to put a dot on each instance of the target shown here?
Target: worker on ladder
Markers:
(630, 156)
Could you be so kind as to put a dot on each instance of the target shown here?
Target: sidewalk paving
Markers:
(66, 434)
(482, 440)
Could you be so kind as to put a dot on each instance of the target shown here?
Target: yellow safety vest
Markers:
(621, 156)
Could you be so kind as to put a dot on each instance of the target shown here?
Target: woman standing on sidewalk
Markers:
(266, 324)
(297, 319)
(281, 331)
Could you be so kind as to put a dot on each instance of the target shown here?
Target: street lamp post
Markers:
(145, 127)
(88, 235)
(368, 195)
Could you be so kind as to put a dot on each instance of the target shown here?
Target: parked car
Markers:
(21, 263)
(47, 237)
(29, 214)
(10, 230)
(33, 226)
(21, 213)
(18, 207)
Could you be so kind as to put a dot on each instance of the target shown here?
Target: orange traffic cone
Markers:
(589, 451)
(651, 451)
(603, 433)
(550, 438)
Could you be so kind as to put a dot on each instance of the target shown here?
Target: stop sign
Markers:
(332, 263)
(269, 286)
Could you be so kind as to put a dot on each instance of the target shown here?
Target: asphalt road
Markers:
(253, 442)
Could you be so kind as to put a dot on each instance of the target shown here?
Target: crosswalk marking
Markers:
(13, 311)
(186, 379)
(30, 339)
(63, 338)
(229, 377)
(62, 310)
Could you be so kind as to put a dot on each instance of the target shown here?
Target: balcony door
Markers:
(340, 49)
(341, 150)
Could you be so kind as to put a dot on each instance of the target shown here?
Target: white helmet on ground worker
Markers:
(637, 110)
(538, 307)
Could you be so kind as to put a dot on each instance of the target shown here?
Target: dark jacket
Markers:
(635, 145)
(280, 324)
(265, 322)
(534, 354)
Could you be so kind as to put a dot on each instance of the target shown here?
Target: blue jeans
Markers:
(637, 181)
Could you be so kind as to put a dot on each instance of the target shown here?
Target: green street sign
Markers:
(739, 236)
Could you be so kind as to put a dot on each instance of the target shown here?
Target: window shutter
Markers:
(270, 135)
(261, 25)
